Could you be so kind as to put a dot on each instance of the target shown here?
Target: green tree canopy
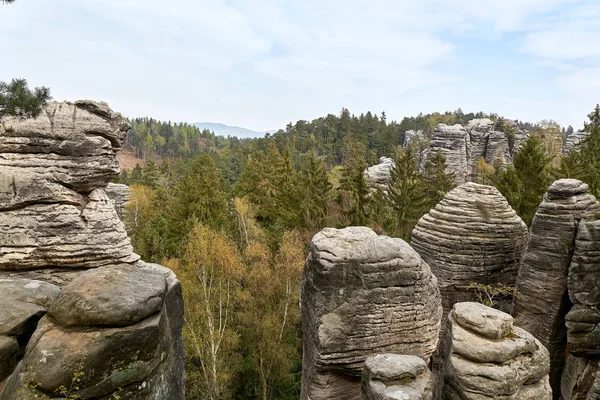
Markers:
(18, 100)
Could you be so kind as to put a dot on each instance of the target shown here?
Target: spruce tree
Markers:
(316, 189)
(525, 182)
(354, 183)
(437, 180)
(407, 193)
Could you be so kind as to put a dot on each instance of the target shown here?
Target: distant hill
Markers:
(226, 130)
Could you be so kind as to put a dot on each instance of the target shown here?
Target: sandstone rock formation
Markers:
(542, 281)
(479, 133)
(580, 379)
(22, 304)
(120, 326)
(394, 376)
(583, 320)
(451, 141)
(362, 294)
(378, 175)
(53, 169)
(573, 140)
(411, 136)
(489, 358)
(120, 195)
(117, 325)
(471, 236)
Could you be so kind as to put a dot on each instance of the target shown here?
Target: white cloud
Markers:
(263, 63)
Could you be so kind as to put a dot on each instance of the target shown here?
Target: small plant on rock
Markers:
(490, 295)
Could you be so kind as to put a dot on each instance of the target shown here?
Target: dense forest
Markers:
(234, 219)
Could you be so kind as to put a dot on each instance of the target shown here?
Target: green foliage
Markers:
(18, 100)
(583, 162)
(491, 295)
(525, 182)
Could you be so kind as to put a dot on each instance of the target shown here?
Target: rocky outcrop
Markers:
(22, 304)
(362, 294)
(573, 140)
(471, 236)
(583, 283)
(120, 195)
(543, 301)
(412, 136)
(479, 133)
(580, 379)
(117, 329)
(489, 358)
(378, 175)
(394, 376)
(53, 171)
(451, 141)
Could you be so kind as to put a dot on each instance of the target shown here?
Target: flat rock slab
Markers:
(110, 296)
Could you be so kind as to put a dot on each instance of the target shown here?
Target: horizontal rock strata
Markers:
(362, 294)
(489, 358)
(394, 376)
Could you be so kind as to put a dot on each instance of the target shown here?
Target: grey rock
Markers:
(513, 366)
(451, 141)
(580, 379)
(479, 133)
(120, 195)
(22, 304)
(542, 281)
(134, 359)
(411, 136)
(583, 283)
(573, 141)
(64, 236)
(378, 175)
(471, 236)
(394, 376)
(109, 296)
(362, 294)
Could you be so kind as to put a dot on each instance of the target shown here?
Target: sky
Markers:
(261, 64)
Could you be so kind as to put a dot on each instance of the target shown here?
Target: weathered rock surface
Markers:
(542, 281)
(362, 294)
(451, 141)
(489, 358)
(580, 379)
(120, 195)
(121, 352)
(583, 320)
(573, 140)
(54, 212)
(378, 175)
(411, 136)
(479, 133)
(22, 304)
(471, 236)
(394, 376)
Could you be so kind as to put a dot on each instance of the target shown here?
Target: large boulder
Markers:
(394, 376)
(117, 329)
(583, 283)
(22, 304)
(362, 294)
(54, 212)
(451, 141)
(543, 300)
(489, 358)
(471, 236)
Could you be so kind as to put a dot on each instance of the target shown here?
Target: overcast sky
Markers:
(263, 63)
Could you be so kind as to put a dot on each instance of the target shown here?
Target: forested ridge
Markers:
(234, 219)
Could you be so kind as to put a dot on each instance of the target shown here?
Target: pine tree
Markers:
(437, 180)
(16, 99)
(357, 192)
